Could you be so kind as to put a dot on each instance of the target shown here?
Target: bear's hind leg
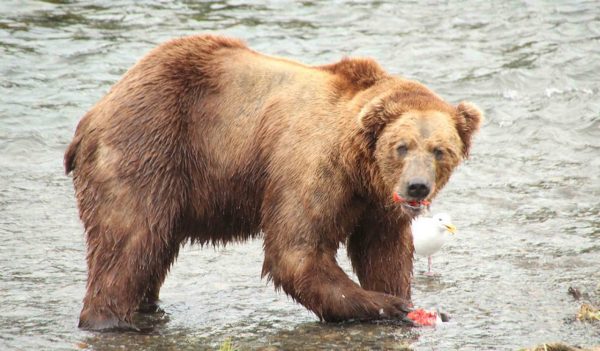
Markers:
(120, 266)
(150, 301)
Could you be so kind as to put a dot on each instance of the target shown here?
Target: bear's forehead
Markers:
(428, 123)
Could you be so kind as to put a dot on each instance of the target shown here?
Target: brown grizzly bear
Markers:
(207, 141)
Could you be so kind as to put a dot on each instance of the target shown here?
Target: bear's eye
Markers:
(438, 153)
(402, 150)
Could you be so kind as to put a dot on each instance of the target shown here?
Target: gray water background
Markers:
(526, 203)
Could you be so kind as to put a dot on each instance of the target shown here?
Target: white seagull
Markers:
(429, 235)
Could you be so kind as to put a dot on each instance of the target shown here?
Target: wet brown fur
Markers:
(205, 140)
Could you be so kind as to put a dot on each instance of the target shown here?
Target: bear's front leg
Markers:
(308, 272)
(381, 251)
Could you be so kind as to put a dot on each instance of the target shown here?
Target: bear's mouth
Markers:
(411, 206)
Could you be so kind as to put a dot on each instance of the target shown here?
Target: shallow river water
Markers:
(527, 202)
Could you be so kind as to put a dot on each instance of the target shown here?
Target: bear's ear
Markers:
(469, 120)
(372, 117)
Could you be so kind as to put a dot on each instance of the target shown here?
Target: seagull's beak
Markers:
(451, 228)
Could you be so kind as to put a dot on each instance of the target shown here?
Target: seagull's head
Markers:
(444, 222)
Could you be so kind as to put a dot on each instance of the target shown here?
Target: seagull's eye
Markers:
(438, 153)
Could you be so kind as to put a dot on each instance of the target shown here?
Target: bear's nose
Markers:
(418, 189)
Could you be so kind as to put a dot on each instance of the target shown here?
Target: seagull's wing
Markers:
(426, 236)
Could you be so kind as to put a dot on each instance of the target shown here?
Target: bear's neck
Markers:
(357, 149)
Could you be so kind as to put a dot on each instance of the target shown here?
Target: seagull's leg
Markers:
(429, 264)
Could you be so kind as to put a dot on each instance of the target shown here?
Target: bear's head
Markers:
(418, 139)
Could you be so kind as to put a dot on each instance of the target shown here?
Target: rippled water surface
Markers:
(526, 203)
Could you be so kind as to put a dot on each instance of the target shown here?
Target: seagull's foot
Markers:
(430, 274)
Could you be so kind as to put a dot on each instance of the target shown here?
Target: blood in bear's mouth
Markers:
(411, 204)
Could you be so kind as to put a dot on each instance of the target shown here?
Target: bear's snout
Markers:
(418, 188)
(417, 178)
